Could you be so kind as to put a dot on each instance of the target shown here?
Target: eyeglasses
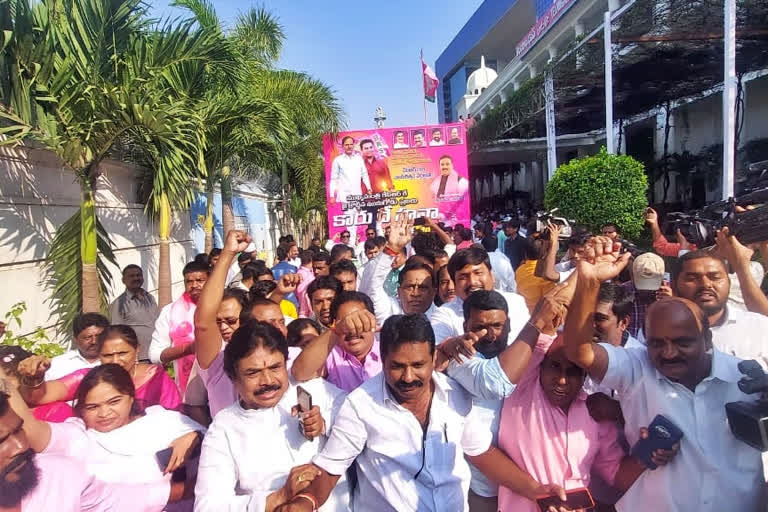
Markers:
(344, 236)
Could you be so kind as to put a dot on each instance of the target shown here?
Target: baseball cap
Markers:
(648, 271)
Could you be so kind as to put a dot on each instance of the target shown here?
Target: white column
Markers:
(533, 70)
(729, 97)
(549, 93)
(608, 83)
(578, 32)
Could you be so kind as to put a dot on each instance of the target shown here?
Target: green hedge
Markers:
(600, 189)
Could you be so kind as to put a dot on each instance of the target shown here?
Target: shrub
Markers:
(601, 189)
(36, 342)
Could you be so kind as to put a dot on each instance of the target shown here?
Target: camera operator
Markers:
(679, 376)
(702, 277)
(660, 243)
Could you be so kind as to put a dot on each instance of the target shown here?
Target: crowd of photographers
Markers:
(514, 364)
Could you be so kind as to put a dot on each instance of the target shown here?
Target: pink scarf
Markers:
(182, 332)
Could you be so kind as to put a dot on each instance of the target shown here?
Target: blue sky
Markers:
(367, 51)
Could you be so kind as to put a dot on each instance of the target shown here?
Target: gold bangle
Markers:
(309, 498)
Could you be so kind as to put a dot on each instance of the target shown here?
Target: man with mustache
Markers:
(257, 451)
(136, 308)
(408, 430)
(702, 277)
(470, 270)
(348, 353)
(416, 283)
(50, 481)
(680, 376)
(86, 327)
(321, 293)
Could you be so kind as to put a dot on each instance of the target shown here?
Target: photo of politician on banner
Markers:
(421, 171)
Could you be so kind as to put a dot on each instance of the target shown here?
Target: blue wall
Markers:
(484, 18)
(253, 209)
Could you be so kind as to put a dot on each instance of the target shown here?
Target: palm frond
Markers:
(63, 273)
(259, 35)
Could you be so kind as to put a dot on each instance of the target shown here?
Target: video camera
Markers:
(544, 218)
(700, 227)
(749, 420)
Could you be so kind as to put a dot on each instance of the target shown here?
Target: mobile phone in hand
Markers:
(662, 435)
(575, 499)
(163, 458)
(305, 405)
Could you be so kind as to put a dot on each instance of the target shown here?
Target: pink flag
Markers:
(430, 82)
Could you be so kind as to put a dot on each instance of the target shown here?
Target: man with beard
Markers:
(50, 481)
(321, 293)
(408, 430)
(492, 367)
(702, 277)
(470, 270)
(612, 316)
(257, 452)
(86, 327)
(680, 376)
(321, 263)
(346, 272)
(349, 352)
(136, 308)
(378, 170)
(174, 336)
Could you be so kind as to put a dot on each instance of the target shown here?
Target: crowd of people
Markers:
(489, 367)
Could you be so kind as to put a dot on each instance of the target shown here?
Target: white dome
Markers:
(480, 79)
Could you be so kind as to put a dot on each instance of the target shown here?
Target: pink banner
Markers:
(421, 171)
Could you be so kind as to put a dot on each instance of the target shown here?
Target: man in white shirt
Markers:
(399, 142)
(86, 328)
(347, 173)
(503, 273)
(680, 376)
(257, 451)
(437, 138)
(703, 278)
(136, 308)
(416, 282)
(407, 429)
(470, 270)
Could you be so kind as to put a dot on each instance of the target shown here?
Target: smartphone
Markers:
(662, 434)
(576, 499)
(419, 221)
(305, 405)
(163, 457)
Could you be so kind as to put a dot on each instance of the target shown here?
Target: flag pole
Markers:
(424, 94)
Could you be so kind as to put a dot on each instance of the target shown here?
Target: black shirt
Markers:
(514, 249)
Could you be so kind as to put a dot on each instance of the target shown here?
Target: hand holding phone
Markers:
(304, 408)
(662, 435)
(163, 458)
(575, 499)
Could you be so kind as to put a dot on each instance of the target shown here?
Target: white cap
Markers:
(648, 271)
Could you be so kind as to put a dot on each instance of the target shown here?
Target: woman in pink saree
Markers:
(117, 344)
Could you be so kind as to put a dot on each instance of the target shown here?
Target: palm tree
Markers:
(282, 116)
(96, 77)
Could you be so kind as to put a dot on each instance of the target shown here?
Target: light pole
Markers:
(379, 117)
